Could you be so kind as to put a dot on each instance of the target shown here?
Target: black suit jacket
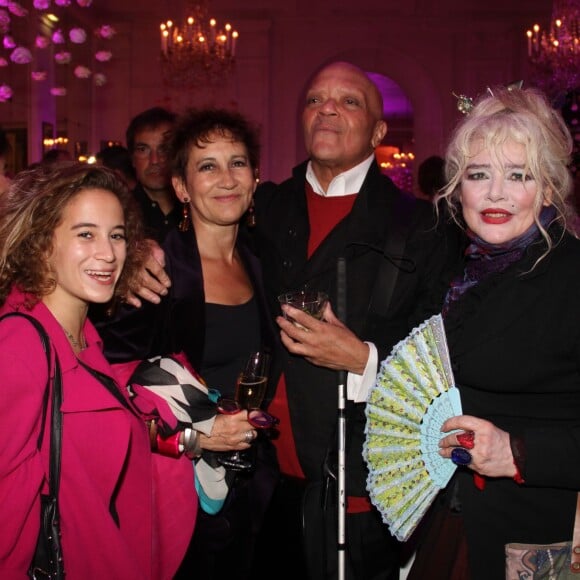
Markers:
(281, 240)
(514, 341)
(178, 322)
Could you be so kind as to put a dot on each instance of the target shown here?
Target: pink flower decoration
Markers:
(64, 3)
(41, 4)
(103, 55)
(3, 61)
(58, 91)
(17, 10)
(106, 31)
(77, 35)
(8, 42)
(4, 3)
(58, 37)
(42, 41)
(84, 3)
(38, 75)
(63, 57)
(21, 55)
(82, 72)
(100, 79)
(5, 93)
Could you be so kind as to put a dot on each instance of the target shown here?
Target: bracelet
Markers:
(519, 454)
(169, 446)
(518, 476)
(191, 443)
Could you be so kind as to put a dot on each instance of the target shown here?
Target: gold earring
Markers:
(185, 219)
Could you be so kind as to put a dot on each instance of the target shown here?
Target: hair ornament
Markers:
(465, 104)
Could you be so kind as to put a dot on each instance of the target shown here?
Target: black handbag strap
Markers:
(56, 416)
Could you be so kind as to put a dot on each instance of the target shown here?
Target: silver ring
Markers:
(248, 436)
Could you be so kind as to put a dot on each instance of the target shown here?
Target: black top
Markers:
(178, 323)
(231, 333)
(514, 341)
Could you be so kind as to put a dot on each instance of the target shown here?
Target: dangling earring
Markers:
(185, 219)
(251, 217)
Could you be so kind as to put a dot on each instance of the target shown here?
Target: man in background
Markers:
(338, 204)
(56, 155)
(118, 158)
(431, 177)
(146, 142)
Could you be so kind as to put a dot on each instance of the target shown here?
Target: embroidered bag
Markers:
(559, 561)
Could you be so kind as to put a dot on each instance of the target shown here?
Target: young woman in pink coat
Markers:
(68, 238)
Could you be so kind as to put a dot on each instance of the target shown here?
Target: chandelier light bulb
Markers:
(196, 53)
(554, 52)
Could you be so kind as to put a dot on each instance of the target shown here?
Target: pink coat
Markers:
(126, 513)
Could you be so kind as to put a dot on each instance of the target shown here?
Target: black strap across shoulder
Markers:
(56, 418)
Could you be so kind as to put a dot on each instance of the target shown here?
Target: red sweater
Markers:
(324, 214)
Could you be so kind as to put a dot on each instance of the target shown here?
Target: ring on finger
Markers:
(466, 439)
(248, 437)
(461, 456)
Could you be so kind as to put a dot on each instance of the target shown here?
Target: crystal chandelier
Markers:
(554, 53)
(195, 53)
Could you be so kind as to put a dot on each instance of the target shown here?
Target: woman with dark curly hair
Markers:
(215, 313)
(69, 237)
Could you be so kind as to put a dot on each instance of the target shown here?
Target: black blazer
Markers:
(514, 341)
(178, 322)
(281, 240)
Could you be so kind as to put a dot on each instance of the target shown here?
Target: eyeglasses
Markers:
(143, 151)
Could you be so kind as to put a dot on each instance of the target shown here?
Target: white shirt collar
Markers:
(345, 183)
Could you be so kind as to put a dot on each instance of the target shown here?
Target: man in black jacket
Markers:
(338, 204)
(146, 138)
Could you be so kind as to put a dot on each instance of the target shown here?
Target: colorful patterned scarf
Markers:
(484, 259)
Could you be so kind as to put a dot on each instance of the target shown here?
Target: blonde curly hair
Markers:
(523, 116)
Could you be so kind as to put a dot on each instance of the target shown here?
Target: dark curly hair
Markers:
(32, 209)
(195, 127)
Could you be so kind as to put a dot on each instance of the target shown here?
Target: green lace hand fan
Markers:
(413, 395)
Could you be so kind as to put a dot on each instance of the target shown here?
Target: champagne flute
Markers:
(252, 381)
(249, 394)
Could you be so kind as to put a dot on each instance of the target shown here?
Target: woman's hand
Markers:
(229, 433)
(491, 451)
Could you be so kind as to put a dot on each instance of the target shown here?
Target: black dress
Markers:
(223, 544)
(216, 347)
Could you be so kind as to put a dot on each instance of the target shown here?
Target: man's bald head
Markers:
(342, 119)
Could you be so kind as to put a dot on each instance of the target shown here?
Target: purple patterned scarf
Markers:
(484, 259)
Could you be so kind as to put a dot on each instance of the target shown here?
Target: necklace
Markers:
(80, 345)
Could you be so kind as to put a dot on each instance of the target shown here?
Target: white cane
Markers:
(341, 312)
